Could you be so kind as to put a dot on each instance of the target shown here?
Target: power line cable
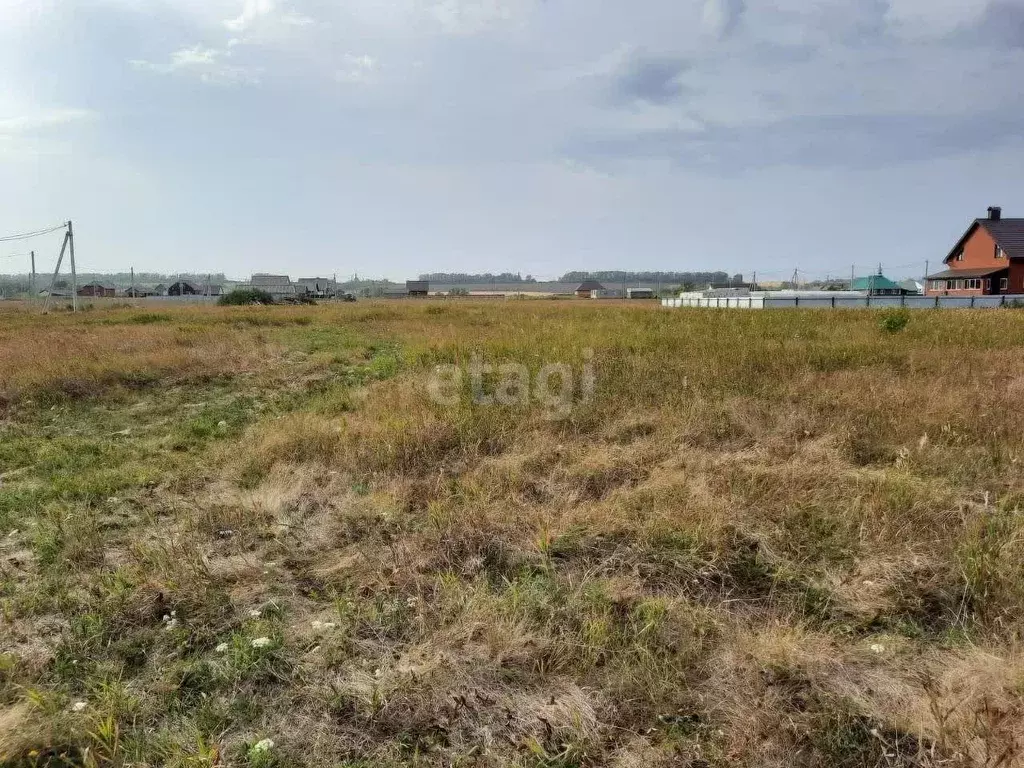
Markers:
(37, 233)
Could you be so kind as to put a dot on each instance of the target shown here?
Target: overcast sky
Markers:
(392, 137)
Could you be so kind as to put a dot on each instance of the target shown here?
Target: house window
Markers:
(988, 283)
(1004, 283)
(999, 252)
(959, 255)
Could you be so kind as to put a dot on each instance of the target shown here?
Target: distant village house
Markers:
(317, 287)
(139, 292)
(98, 290)
(639, 293)
(878, 285)
(280, 287)
(417, 288)
(585, 290)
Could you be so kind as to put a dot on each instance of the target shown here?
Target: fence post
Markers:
(869, 300)
(972, 302)
(833, 302)
(936, 301)
(1002, 300)
(797, 304)
(903, 299)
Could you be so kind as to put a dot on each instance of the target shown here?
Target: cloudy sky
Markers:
(391, 137)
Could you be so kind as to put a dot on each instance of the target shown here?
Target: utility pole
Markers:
(132, 289)
(56, 272)
(853, 272)
(74, 275)
(753, 282)
(32, 254)
(924, 280)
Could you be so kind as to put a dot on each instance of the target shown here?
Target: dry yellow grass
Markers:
(780, 538)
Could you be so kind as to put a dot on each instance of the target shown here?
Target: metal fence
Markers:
(848, 302)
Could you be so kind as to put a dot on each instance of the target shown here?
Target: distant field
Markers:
(289, 536)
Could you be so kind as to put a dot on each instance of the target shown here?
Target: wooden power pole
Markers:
(56, 271)
(74, 274)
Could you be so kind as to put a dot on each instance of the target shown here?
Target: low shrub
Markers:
(245, 297)
(894, 321)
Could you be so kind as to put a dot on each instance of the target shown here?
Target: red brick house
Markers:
(988, 259)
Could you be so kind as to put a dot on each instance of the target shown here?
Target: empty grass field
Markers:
(256, 537)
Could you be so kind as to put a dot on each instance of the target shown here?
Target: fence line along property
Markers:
(823, 301)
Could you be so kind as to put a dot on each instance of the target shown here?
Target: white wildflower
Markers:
(412, 602)
(78, 706)
(222, 648)
(319, 625)
(877, 648)
(261, 642)
(222, 424)
(263, 745)
(255, 613)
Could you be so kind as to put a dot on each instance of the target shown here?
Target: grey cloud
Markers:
(652, 79)
(722, 17)
(837, 141)
(1002, 22)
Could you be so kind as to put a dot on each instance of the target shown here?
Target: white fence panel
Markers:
(847, 302)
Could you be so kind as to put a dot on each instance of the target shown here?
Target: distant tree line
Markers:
(460, 278)
(681, 278)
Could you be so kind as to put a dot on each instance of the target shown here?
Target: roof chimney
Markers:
(995, 213)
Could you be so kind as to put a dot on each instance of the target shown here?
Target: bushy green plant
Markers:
(894, 321)
(245, 297)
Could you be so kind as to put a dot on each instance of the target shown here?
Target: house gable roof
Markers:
(1008, 234)
(590, 285)
(262, 279)
(873, 283)
(975, 272)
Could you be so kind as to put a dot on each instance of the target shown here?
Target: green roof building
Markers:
(877, 285)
